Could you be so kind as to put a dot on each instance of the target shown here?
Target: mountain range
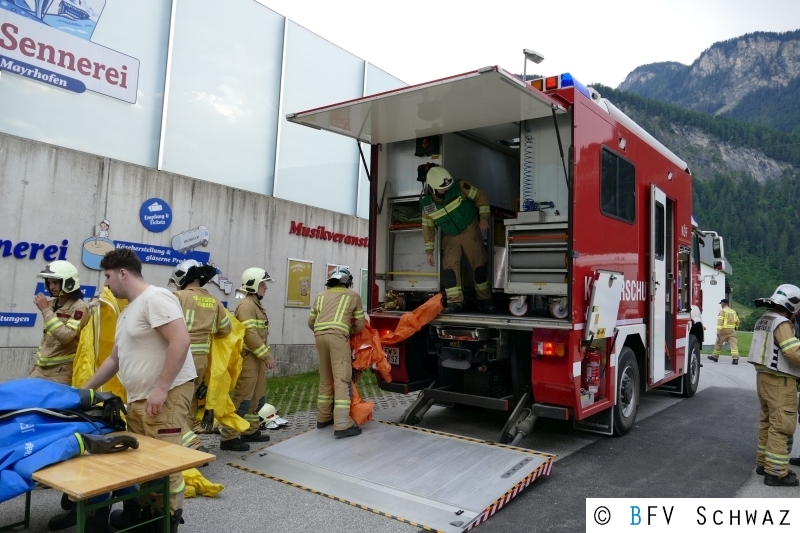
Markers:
(734, 116)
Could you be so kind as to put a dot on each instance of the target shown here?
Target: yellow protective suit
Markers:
(224, 366)
(196, 483)
(97, 342)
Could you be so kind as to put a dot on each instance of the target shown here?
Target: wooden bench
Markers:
(91, 475)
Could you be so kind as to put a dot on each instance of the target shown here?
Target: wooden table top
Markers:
(89, 475)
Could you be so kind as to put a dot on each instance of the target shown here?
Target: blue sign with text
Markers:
(161, 255)
(87, 290)
(18, 320)
(155, 214)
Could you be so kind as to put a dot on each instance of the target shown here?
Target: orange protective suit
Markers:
(367, 346)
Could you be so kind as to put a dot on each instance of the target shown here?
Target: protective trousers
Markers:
(468, 243)
(778, 398)
(56, 373)
(242, 397)
(259, 397)
(729, 336)
(335, 374)
(190, 438)
(167, 426)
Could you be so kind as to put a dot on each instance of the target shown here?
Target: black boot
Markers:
(63, 521)
(128, 516)
(97, 521)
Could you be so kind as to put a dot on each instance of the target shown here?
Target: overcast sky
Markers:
(597, 41)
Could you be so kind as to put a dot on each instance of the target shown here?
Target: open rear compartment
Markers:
(491, 130)
(471, 357)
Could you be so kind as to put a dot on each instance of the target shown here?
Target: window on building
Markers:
(617, 187)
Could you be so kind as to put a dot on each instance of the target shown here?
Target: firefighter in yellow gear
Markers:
(337, 313)
(205, 317)
(775, 353)
(727, 324)
(461, 212)
(65, 315)
(256, 358)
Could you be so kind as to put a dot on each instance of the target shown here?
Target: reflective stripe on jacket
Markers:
(62, 327)
(774, 347)
(727, 319)
(205, 316)
(454, 213)
(254, 319)
(337, 309)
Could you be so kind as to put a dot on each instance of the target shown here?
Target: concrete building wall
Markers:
(51, 195)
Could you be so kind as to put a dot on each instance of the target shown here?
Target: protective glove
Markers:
(202, 390)
(208, 420)
(113, 409)
(108, 443)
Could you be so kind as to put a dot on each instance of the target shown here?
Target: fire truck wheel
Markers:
(691, 379)
(627, 392)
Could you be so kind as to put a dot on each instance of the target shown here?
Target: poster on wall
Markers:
(364, 287)
(330, 270)
(298, 283)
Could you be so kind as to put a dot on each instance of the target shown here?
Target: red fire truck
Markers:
(593, 255)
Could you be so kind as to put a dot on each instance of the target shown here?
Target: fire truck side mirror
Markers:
(718, 249)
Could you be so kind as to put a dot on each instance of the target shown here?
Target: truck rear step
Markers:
(420, 477)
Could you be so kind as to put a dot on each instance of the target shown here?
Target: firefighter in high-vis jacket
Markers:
(461, 212)
(775, 353)
(64, 315)
(205, 317)
(727, 324)
(256, 358)
(337, 313)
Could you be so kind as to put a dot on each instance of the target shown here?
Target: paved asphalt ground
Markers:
(700, 447)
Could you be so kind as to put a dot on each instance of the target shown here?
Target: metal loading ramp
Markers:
(425, 478)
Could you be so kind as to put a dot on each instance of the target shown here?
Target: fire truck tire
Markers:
(628, 392)
(691, 379)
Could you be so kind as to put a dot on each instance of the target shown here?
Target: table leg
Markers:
(81, 516)
(166, 503)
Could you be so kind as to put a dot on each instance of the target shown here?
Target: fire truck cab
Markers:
(593, 256)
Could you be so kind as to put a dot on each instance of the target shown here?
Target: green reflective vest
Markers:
(454, 214)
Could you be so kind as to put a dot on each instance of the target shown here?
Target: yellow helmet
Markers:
(252, 278)
(438, 178)
(64, 271)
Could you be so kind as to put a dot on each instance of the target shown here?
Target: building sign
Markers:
(31, 250)
(298, 228)
(49, 41)
(161, 255)
(17, 320)
(87, 290)
(155, 214)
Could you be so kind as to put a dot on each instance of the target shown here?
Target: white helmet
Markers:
(269, 415)
(268, 412)
(66, 272)
(786, 296)
(189, 270)
(342, 275)
(252, 278)
(438, 178)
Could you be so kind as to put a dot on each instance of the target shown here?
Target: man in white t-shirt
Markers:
(151, 354)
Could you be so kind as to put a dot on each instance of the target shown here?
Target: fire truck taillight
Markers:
(383, 332)
(551, 83)
(547, 349)
(538, 84)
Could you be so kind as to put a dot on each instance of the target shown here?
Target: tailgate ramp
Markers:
(424, 478)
